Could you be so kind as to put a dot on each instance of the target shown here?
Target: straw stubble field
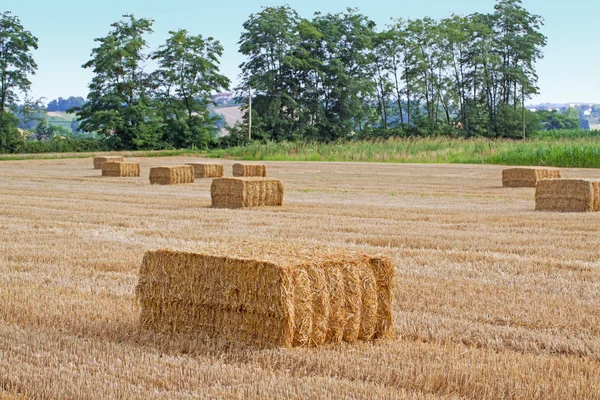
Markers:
(492, 299)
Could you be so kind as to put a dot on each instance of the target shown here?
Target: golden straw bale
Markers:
(574, 195)
(527, 176)
(98, 161)
(246, 192)
(203, 170)
(287, 301)
(122, 169)
(246, 170)
(172, 175)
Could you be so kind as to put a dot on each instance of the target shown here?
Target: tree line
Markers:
(334, 76)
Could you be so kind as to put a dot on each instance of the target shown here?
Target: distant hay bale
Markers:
(247, 170)
(98, 161)
(123, 169)
(246, 192)
(203, 170)
(567, 195)
(527, 176)
(172, 175)
(288, 302)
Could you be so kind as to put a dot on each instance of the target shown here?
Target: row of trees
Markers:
(335, 76)
(131, 107)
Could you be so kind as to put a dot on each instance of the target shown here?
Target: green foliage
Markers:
(16, 60)
(188, 72)
(118, 105)
(576, 151)
(10, 139)
(59, 144)
(551, 120)
(335, 77)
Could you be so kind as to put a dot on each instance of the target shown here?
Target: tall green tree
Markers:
(119, 104)
(16, 64)
(519, 43)
(187, 75)
(268, 40)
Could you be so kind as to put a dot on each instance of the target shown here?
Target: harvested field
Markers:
(98, 161)
(567, 195)
(205, 170)
(120, 169)
(527, 176)
(249, 170)
(172, 175)
(246, 192)
(491, 298)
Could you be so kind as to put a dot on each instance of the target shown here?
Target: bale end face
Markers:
(567, 195)
(303, 303)
(527, 176)
(246, 192)
(120, 169)
(172, 175)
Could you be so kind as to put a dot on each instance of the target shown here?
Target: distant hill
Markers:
(232, 116)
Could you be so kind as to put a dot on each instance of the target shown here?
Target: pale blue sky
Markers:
(66, 30)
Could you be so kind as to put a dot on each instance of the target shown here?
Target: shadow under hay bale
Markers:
(172, 175)
(287, 302)
(246, 192)
(121, 169)
(98, 161)
(527, 176)
(248, 170)
(567, 195)
(203, 170)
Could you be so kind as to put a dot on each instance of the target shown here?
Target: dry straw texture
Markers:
(124, 169)
(526, 176)
(246, 192)
(172, 175)
(575, 195)
(98, 161)
(291, 302)
(244, 170)
(491, 299)
(204, 170)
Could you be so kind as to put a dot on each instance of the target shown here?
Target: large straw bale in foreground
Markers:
(246, 192)
(527, 176)
(575, 195)
(245, 170)
(291, 302)
(204, 170)
(123, 169)
(98, 161)
(172, 175)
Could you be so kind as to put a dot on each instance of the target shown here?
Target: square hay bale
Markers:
(287, 302)
(527, 176)
(246, 192)
(124, 169)
(98, 161)
(203, 170)
(246, 170)
(567, 195)
(172, 175)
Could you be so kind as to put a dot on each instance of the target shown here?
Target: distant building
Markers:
(223, 97)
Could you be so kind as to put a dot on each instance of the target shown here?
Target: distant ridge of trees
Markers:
(63, 105)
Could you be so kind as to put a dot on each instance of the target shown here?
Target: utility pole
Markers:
(249, 112)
